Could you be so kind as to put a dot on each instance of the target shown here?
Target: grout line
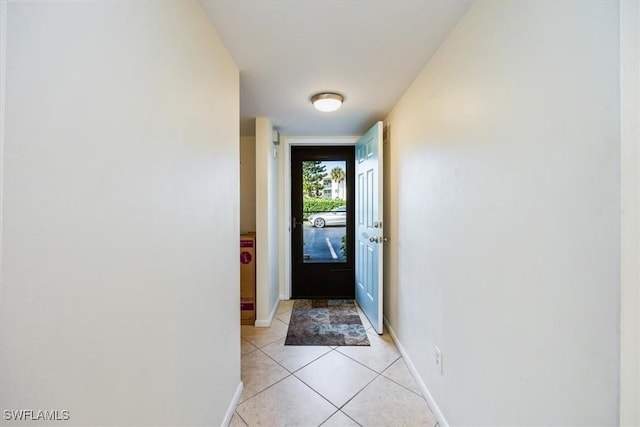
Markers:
(304, 366)
(268, 387)
(266, 329)
(250, 343)
(358, 362)
(431, 403)
(265, 389)
(317, 392)
(368, 367)
(360, 391)
(406, 388)
(325, 421)
(339, 411)
(260, 347)
(317, 358)
(270, 342)
(240, 416)
(347, 415)
(351, 398)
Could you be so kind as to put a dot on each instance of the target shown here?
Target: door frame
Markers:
(285, 196)
(333, 280)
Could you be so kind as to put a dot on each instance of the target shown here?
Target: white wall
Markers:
(267, 221)
(505, 228)
(630, 273)
(120, 224)
(247, 184)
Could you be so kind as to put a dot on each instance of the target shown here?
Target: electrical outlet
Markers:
(439, 359)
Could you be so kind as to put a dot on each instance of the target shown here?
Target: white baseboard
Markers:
(416, 376)
(232, 406)
(265, 323)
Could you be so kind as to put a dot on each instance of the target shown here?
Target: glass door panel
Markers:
(324, 207)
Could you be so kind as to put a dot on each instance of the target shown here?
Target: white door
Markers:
(369, 240)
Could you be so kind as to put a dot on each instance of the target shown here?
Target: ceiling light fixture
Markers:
(327, 101)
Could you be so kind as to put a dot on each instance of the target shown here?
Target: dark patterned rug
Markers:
(325, 322)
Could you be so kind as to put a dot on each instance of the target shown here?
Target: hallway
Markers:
(511, 204)
(328, 386)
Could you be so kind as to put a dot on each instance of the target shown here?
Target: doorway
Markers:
(322, 222)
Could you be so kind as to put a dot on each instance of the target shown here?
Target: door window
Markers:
(324, 211)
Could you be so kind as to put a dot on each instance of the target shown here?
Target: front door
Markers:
(369, 223)
(322, 213)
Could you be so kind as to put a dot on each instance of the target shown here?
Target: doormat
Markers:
(325, 322)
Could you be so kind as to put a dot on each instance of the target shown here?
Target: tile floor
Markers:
(314, 386)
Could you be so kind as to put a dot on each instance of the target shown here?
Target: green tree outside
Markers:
(338, 175)
(312, 174)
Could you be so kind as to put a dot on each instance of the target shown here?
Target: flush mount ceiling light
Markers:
(327, 101)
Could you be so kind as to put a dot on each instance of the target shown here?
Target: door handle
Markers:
(378, 239)
(295, 223)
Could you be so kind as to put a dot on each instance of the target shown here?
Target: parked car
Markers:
(337, 216)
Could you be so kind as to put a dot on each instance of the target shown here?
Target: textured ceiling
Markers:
(369, 51)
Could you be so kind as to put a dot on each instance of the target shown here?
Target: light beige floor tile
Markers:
(263, 336)
(379, 356)
(385, 403)
(364, 320)
(294, 357)
(284, 317)
(336, 377)
(236, 421)
(285, 305)
(259, 372)
(246, 347)
(288, 403)
(399, 373)
(339, 419)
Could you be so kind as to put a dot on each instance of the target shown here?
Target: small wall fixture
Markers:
(327, 101)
